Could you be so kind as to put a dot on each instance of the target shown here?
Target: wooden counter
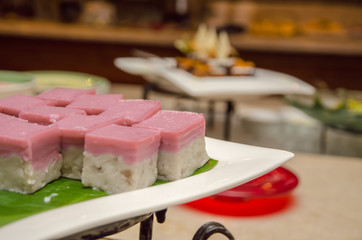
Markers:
(26, 45)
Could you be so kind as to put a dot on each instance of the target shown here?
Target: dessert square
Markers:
(120, 158)
(61, 97)
(95, 104)
(29, 155)
(182, 148)
(15, 104)
(130, 112)
(72, 130)
(48, 114)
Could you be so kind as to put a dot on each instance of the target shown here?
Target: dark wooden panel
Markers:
(338, 71)
(20, 53)
(23, 54)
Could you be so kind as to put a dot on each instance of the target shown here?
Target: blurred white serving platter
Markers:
(263, 82)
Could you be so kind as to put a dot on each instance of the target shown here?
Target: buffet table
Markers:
(326, 205)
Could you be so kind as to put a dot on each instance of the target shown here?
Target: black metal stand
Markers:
(107, 229)
(146, 228)
(210, 228)
(203, 233)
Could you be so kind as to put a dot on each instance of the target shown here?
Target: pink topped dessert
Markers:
(48, 114)
(120, 158)
(178, 128)
(132, 144)
(182, 148)
(95, 104)
(64, 96)
(72, 130)
(15, 104)
(29, 155)
(129, 112)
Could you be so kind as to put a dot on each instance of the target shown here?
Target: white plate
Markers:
(264, 82)
(237, 164)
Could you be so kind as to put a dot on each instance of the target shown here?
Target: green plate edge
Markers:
(15, 77)
(61, 192)
(88, 81)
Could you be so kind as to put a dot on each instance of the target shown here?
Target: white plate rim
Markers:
(238, 163)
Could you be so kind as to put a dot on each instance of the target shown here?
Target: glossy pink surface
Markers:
(177, 128)
(35, 143)
(129, 112)
(73, 128)
(15, 104)
(48, 114)
(95, 104)
(5, 118)
(64, 96)
(133, 144)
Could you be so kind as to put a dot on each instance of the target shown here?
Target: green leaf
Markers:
(62, 192)
(340, 117)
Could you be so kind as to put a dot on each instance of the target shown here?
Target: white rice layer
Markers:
(17, 175)
(72, 162)
(112, 174)
(173, 166)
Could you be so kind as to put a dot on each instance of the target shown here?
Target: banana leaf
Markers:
(61, 192)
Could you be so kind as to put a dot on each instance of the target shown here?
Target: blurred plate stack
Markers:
(12, 82)
(45, 80)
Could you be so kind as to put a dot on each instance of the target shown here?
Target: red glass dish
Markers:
(263, 195)
(278, 181)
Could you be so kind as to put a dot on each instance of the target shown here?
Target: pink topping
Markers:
(178, 128)
(132, 144)
(64, 96)
(15, 104)
(95, 104)
(73, 128)
(48, 114)
(129, 112)
(35, 143)
(6, 118)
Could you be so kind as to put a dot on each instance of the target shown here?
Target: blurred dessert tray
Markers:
(47, 79)
(12, 82)
(263, 82)
(237, 164)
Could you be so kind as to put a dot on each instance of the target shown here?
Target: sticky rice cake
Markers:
(120, 158)
(95, 104)
(61, 97)
(29, 155)
(72, 130)
(182, 148)
(15, 104)
(129, 112)
(48, 114)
